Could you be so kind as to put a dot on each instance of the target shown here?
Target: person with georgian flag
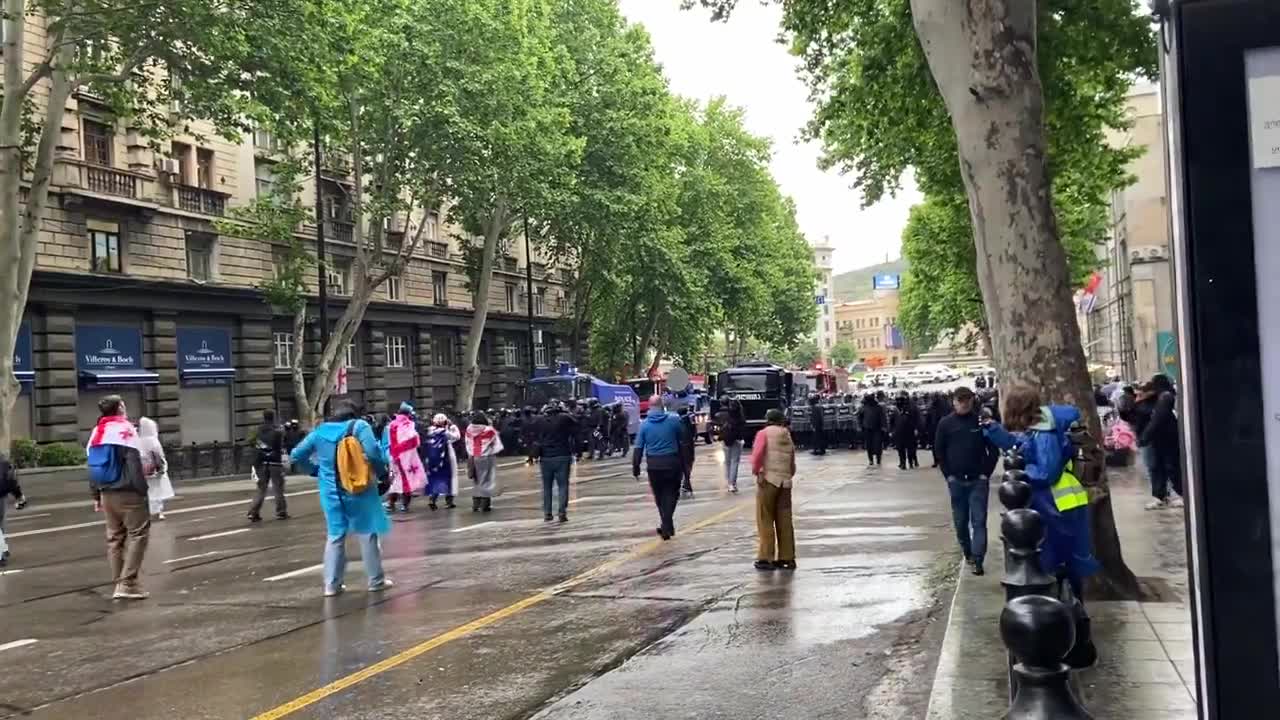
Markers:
(119, 486)
(483, 445)
(400, 441)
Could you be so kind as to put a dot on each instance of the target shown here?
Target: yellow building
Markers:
(870, 327)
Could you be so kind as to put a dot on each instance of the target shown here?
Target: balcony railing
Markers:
(341, 231)
(200, 200)
(508, 264)
(539, 270)
(110, 182)
(438, 250)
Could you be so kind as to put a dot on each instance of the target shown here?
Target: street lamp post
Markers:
(528, 275)
(320, 264)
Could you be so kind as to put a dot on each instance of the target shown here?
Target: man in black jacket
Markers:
(871, 419)
(268, 465)
(1157, 429)
(688, 437)
(817, 423)
(557, 441)
(967, 460)
(8, 486)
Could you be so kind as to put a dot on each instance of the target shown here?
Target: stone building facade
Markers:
(136, 292)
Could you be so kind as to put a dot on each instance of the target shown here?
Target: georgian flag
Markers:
(113, 431)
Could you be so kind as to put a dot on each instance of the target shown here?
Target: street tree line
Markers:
(1001, 111)
(504, 114)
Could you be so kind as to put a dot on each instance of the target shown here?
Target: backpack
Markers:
(350, 464)
(105, 465)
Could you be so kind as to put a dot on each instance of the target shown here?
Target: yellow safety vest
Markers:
(1068, 493)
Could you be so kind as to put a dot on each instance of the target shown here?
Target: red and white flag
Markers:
(115, 430)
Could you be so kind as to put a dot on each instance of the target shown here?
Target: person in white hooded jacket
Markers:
(154, 466)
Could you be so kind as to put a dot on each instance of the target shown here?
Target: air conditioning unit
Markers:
(1156, 252)
(1136, 255)
(168, 165)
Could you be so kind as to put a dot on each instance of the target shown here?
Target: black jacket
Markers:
(871, 417)
(1159, 424)
(905, 426)
(735, 427)
(961, 449)
(557, 435)
(816, 420)
(270, 444)
(8, 480)
(687, 440)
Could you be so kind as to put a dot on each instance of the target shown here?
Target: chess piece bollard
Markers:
(1039, 631)
(1023, 532)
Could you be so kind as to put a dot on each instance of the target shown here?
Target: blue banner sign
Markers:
(111, 355)
(23, 368)
(887, 282)
(204, 356)
(108, 347)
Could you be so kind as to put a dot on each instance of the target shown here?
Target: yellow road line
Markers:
(462, 631)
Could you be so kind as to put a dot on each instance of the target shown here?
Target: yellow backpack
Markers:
(353, 469)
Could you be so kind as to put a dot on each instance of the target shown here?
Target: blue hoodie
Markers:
(659, 439)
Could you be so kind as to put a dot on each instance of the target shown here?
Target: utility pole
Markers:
(320, 265)
(528, 281)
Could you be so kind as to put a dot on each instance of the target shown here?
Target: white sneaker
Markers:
(1157, 505)
(332, 592)
(386, 584)
(130, 595)
(1176, 502)
(160, 516)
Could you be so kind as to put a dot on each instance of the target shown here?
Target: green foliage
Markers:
(879, 115)
(61, 455)
(843, 355)
(806, 354)
(24, 453)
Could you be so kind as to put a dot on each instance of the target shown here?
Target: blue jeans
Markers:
(732, 458)
(969, 514)
(335, 560)
(555, 471)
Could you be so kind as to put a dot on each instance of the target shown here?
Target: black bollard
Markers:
(1039, 631)
(1023, 532)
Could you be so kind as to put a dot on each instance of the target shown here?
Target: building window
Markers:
(828, 343)
(540, 355)
(826, 309)
(433, 227)
(440, 288)
(98, 139)
(340, 278)
(105, 245)
(284, 350)
(540, 301)
(510, 354)
(182, 153)
(204, 169)
(442, 349)
(264, 140)
(512, 294)
(395, 288)
(396, 351)
(200, 256)
(352, 359)
(264, 178)
(826, 326)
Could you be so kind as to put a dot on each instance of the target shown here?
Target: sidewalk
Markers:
(1146, 669)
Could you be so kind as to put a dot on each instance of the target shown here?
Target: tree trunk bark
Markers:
(493, 230)
(982, 54)
(302, 405)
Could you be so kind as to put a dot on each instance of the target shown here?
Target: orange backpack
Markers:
(354, 473)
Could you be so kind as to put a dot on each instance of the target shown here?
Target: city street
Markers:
(494, 616)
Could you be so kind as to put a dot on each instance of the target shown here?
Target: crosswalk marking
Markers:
(294, 573)
(224, 533)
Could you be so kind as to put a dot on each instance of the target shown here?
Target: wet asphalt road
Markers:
(493, 616)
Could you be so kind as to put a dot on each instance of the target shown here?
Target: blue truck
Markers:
(569, 384)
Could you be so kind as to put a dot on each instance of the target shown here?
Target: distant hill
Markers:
(856, 284)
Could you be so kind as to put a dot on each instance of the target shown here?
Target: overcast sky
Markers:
(742, 61)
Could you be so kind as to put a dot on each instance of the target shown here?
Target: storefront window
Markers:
(284, 350)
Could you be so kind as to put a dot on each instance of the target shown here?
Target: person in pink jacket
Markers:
(773, 461)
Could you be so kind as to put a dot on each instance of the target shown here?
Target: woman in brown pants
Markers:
(773, 460)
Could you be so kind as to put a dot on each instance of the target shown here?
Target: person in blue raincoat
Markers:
(1042, 432)
(362, 514)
